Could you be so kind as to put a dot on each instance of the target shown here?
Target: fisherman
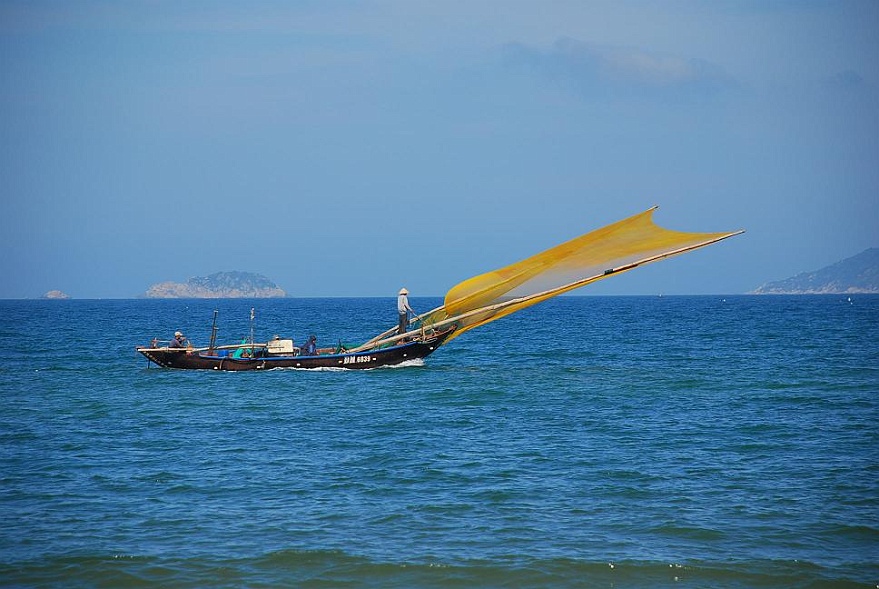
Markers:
(179, 341)
(403, 309)
(310, 347)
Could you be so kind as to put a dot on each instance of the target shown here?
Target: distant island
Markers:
(221, 285)
(56, 294)
(858, 274)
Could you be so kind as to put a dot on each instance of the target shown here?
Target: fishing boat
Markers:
(599, 254)
(282, 353)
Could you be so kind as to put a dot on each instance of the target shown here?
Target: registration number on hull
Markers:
(356, 359)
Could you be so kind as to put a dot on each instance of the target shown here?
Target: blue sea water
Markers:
(586, 442)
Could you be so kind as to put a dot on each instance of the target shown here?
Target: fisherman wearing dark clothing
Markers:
(178, 342)
(310, 348)
(403, 310)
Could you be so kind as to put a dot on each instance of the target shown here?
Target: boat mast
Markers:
(251, 330)
(214, 332)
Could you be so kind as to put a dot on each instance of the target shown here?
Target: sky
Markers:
(348, 148)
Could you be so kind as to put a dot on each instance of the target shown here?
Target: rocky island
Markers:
(858, 274)
(221, 285)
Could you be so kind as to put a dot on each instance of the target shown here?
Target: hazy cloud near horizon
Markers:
(608, 72)
(346, 149)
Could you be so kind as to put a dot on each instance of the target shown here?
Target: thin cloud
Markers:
(846, 81)
(599, 70)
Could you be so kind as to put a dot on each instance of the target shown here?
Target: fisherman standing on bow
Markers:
(403, 309)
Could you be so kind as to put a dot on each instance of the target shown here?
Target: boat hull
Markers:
(203, 360)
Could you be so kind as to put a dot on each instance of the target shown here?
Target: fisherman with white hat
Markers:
(403, 309)
(179, 340)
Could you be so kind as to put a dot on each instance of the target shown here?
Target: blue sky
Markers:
(349, 148)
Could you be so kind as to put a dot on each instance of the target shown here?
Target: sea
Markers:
(590, 441)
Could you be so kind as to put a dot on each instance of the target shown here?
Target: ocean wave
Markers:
(313, 568)
(404, 364)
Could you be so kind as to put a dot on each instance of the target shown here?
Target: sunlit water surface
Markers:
(587, 442)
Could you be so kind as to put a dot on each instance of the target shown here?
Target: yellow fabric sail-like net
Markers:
(612, 249)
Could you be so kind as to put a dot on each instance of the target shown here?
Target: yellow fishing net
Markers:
(612, 249)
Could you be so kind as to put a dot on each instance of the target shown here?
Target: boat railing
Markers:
(155, 345)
